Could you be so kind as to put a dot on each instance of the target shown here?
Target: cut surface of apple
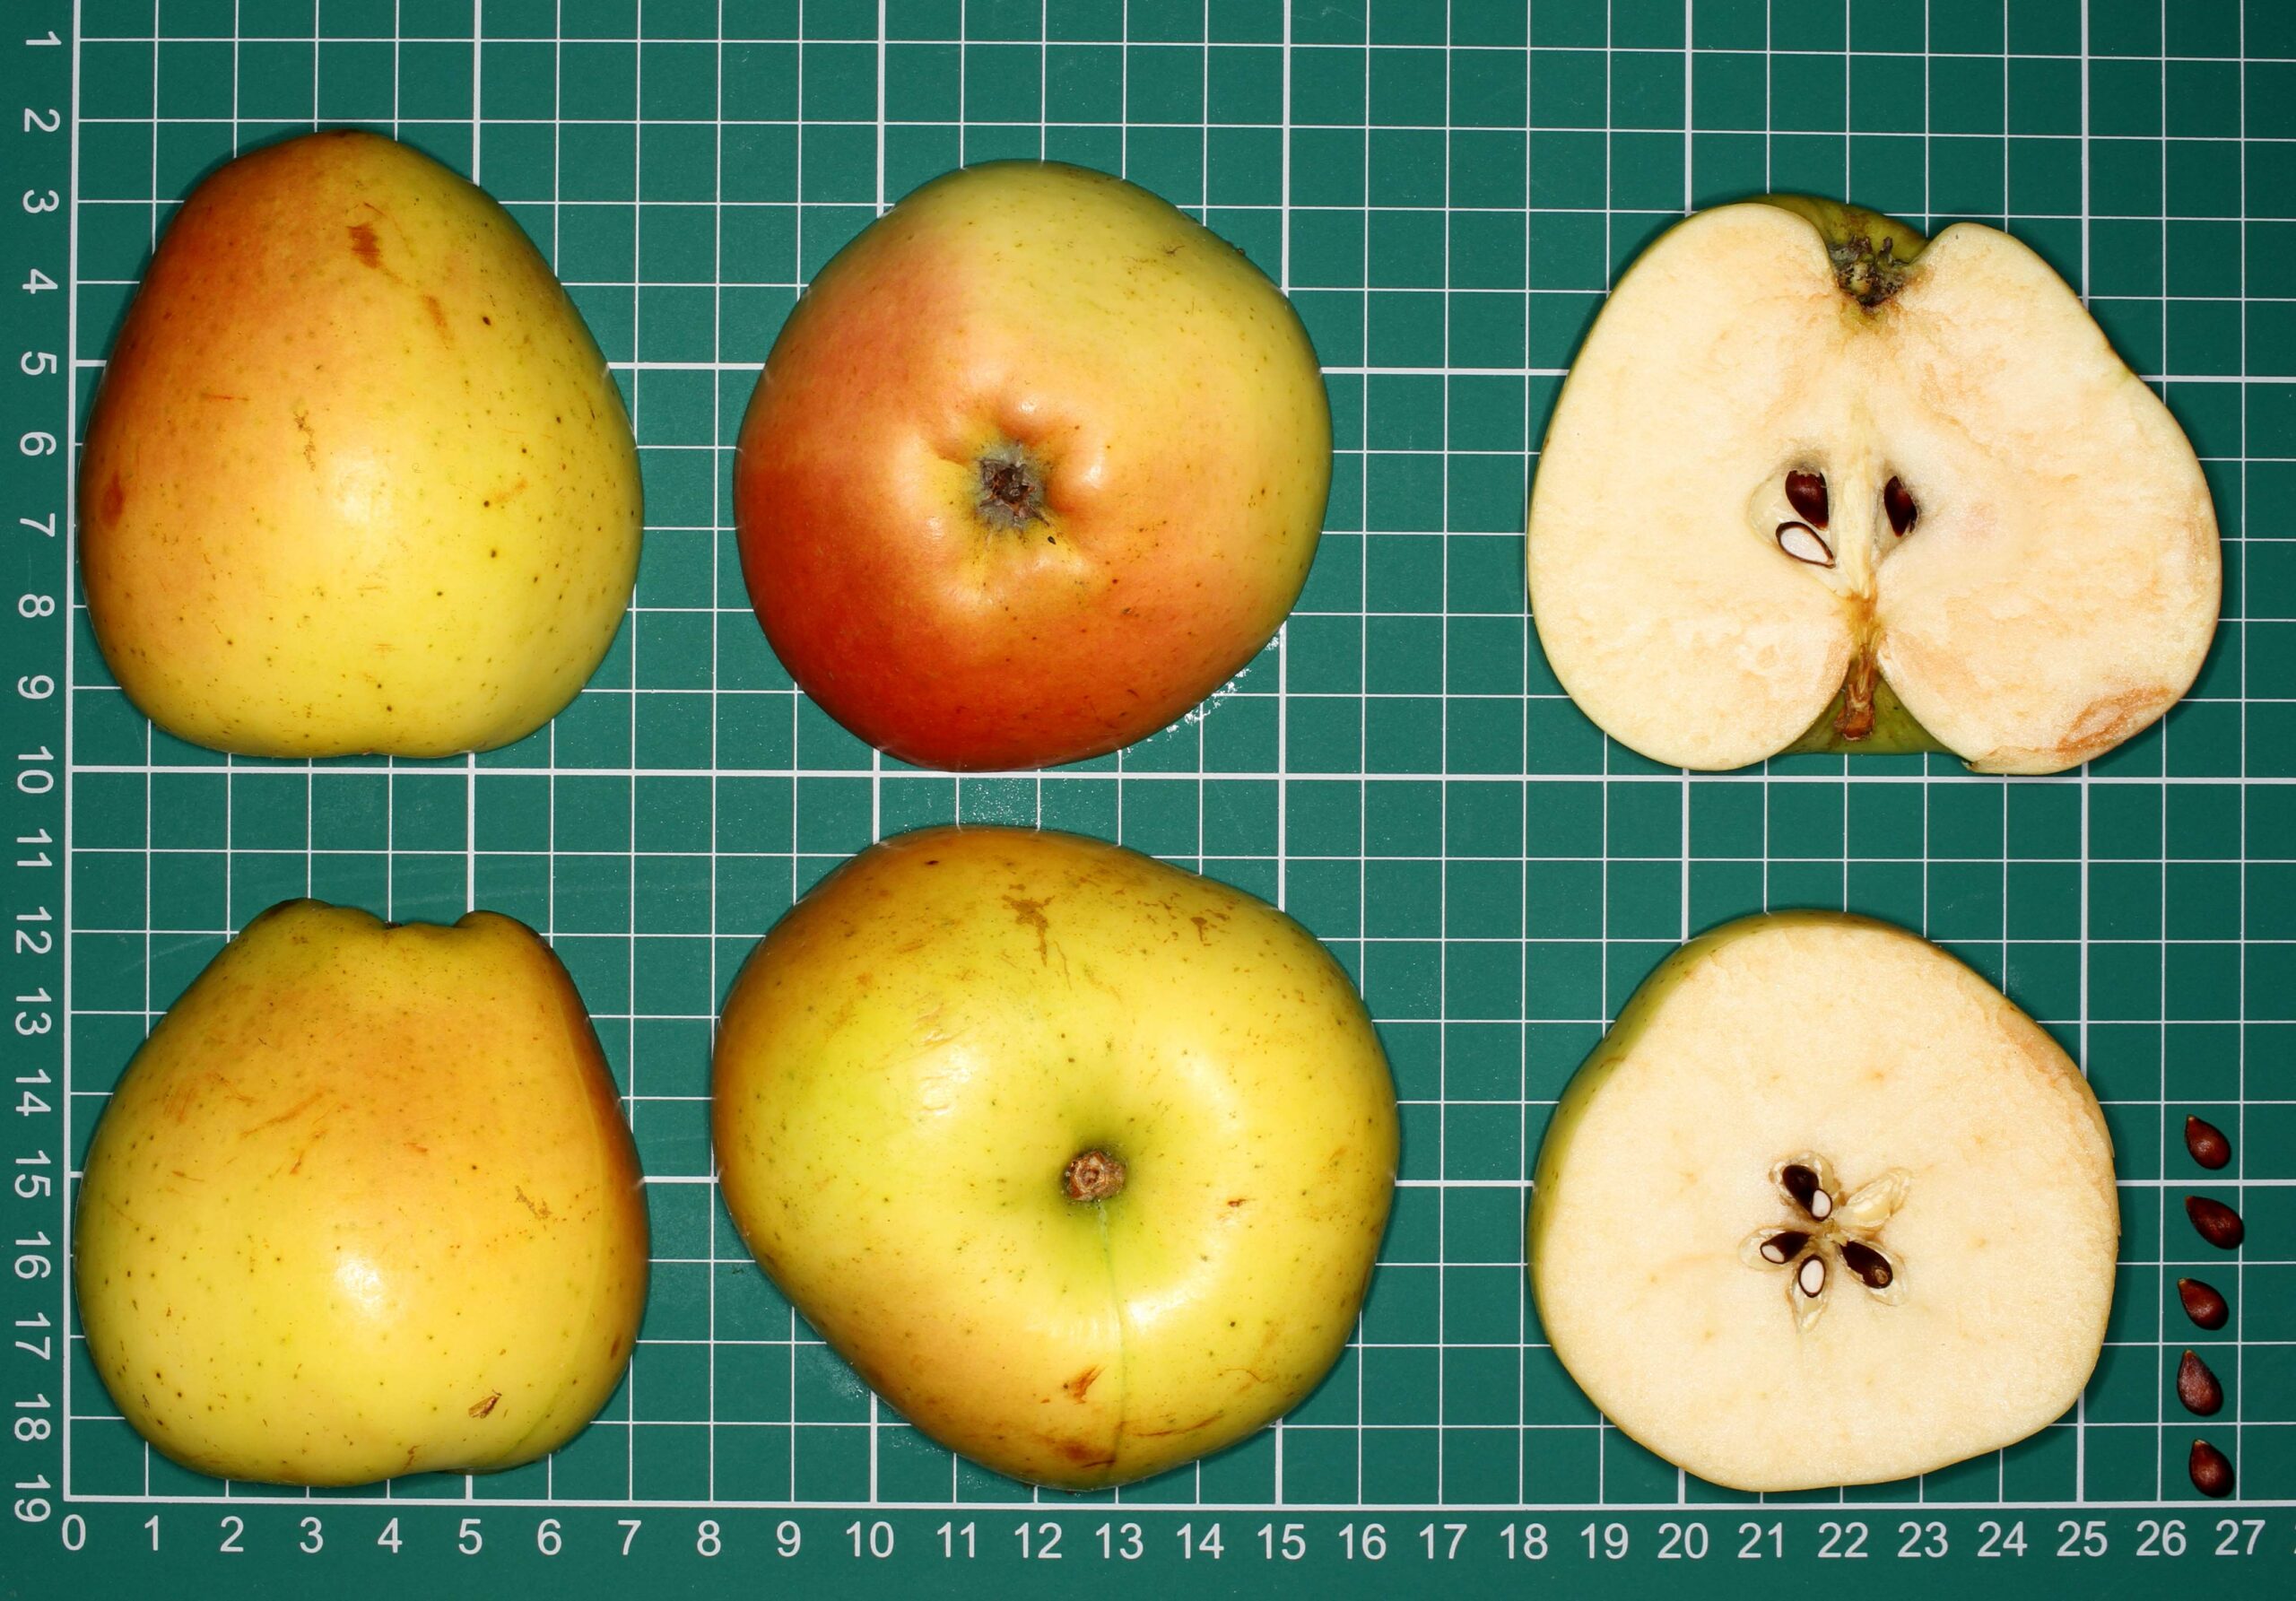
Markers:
(1082, 1161)
(1824, 1208)
(1815, 484)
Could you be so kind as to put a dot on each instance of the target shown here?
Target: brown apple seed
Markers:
(1802, 1184)
(2216, 1223)
(2196, 1387)
(2211, 1470)
(1871, 1266)
(1897, 501)
(2204, 1303)
(1807, 492)
(2206, 1143)
(1784, 1246)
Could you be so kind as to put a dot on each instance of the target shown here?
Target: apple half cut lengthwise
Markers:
(1824, 1207)
(1814, 484)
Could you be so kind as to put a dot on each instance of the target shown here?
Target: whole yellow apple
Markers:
(356, 478)
(363, 1205)
(1081, 1160)
(1037, 463)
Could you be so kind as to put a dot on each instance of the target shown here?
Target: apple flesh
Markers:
(363, 1205)
(356, 478)
(1816, 484)
(1824, 1207)
(1036, 465)
(1080, 1160)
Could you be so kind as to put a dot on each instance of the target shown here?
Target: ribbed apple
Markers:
(1035, 465)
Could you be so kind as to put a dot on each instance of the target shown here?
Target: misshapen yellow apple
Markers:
(356, 478)
(959, 1031)
(363, 1205)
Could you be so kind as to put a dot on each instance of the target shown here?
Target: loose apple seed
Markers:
(2204, 1304)
(2211, 1470)
(2217, 1223)
(1804, 544)
(2196, 1387)
(1897, 501)
(1807, 493)
(2206, 1143)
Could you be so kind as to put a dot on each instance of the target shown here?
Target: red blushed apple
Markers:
(1036, 464)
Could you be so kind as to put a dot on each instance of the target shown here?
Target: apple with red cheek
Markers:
(1036, 465)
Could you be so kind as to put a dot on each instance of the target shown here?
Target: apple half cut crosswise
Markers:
(1080, 1160)
(1814, 484)
(1824, 1207)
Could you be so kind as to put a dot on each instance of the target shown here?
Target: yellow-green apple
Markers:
(356, 477)
(1824, 1207)
(364, 1204)
(1081, 1160)
(1816, 484)
(1036, 464)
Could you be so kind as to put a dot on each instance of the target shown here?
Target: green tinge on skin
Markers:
(1838, 222)
(1896, 732)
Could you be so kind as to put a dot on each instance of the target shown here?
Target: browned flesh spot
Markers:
(365, 246)
(541, 1209)
(1182, 1428)
(481, 1407)
(1083, 1453)
(1030, 914)
(1077, 1385)
(114, 499)
(2106, 722)
(438, 313)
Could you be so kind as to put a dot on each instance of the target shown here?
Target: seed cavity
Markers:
(2206, 1144)
(1810, 1278)
(2204, 1304)
(1804, 544)
(2211, 1470)
(1807, 493)
(2215, 1222)
(2196, 1387)
(1897, 501)
(1871, 1266)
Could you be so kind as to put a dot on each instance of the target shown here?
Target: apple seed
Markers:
(1897, 501)
(2207, 1143)
(1784, 1246)
(1807, 493)
(2204, 1303)
(1804, 544)
(1802, 1184)
(2217, 1223)
(2211, 1470)
(1092, 1176)
(1871, 1267)
(1810, 1278)
(2196, 1387)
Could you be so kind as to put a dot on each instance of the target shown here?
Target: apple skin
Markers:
(356, 478)
(913, 1055)
(363, 1205)
(1165, 387)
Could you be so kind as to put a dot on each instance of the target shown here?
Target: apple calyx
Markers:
(1012, 488)
(1826, 1234)
(1092, 1176)
(1869, 273)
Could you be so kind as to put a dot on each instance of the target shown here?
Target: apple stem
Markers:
(1092, 1176)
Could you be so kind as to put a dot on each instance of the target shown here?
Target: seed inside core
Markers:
(1871, 1267)
(1804, 544)
(1802, 1184)
(1807, 493)
(1092, 1176)
(1897, 501)
(1811, 1276)
(1784, 1246)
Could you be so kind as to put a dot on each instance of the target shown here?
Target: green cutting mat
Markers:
(1445, 191)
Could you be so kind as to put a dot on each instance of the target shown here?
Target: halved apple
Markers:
(1824, 1207)
(1813, 484)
